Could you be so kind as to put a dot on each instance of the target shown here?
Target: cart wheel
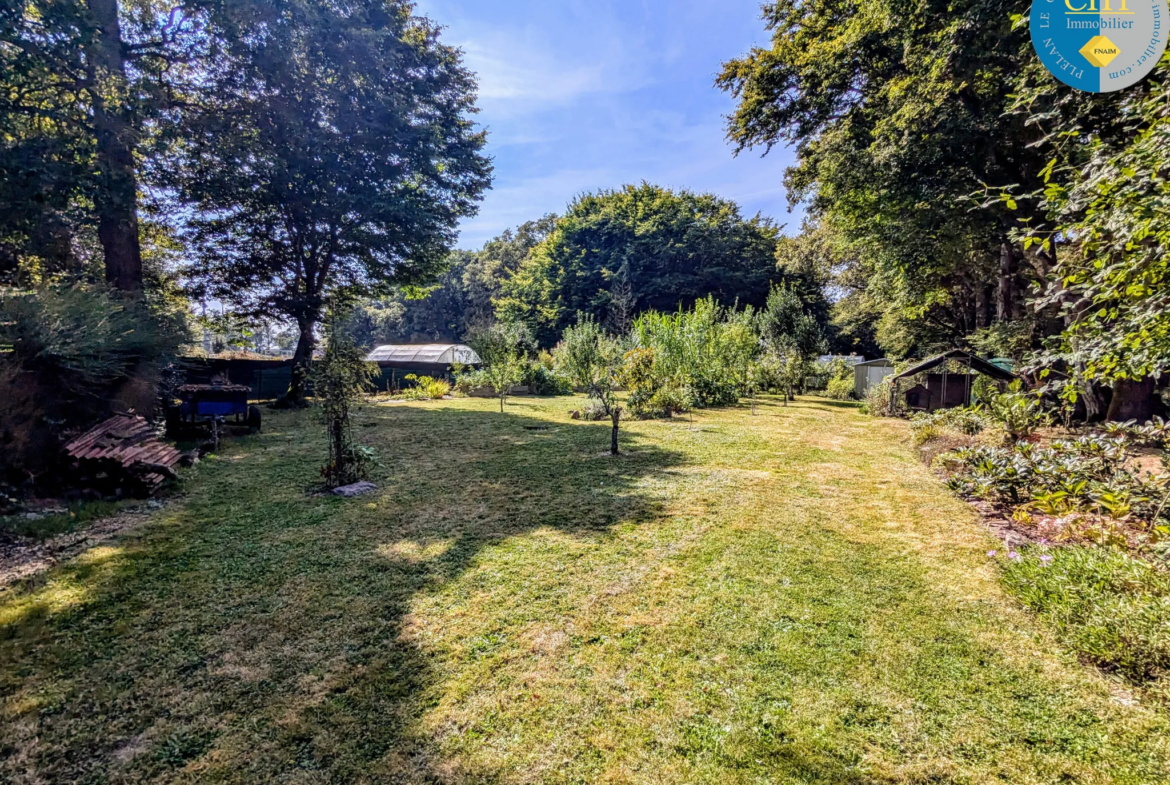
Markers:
(254, 418)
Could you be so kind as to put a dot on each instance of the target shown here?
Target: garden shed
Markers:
(868, 373)
(946, 389)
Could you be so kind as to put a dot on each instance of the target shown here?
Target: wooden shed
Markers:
(946, 390)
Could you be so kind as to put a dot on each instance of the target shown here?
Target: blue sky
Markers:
(578, 96)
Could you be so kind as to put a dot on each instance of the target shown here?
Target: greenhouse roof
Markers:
(430, 353)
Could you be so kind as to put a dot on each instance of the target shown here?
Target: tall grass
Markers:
(708, 351)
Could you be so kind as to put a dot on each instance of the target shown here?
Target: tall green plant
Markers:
(340, 379)
(707, 350)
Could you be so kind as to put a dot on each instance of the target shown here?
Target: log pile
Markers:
(122, 456)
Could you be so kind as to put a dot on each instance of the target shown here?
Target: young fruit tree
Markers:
(791, 337)
(592, 360)
(502, 348)
(333, 154)
(340, 379)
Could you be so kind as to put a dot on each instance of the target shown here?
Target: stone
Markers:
(356, 489)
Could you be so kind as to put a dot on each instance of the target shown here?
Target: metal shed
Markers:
(866, 374)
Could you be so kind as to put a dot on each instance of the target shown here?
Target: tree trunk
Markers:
(981, 311)
(1005, 301)
(339, 468)
(613, 436)
(501, 404)
(294, 398)
(1132, 400)
(117, 198)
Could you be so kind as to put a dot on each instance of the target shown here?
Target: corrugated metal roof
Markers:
(433, 353)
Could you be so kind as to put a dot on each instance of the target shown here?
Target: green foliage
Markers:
(841, 389)
(622, 252)
(897, 114)
(877, 400)
(708, 351)
(503, 348)
(425, 388)
(1110, 194)
(791, 337)
(966, 421)
(592, 360)
(458, 303)
(1088, 474)
(354, 121)
(1020, 412)
(1109, 607)
(1155, 433)
(341, 379)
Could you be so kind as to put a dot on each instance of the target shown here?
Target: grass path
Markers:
(788, 597)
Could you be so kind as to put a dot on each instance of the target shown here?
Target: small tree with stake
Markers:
(340, 379)
(592, 360)
(501, 347)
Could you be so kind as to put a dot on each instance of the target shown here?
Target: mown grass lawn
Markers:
(785, 597)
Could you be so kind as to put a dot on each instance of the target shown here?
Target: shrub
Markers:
(425, 388)
(709, 350)
(468, 380)
(1020, 412)
(1108, 606)
(543, 380)
(840, 388)
(877, 400)
(965, 421)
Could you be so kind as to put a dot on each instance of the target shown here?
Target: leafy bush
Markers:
(1020, 412)
(840, 388)
(1085, 474)
(1155, 433)
(967, 421)
(1108, 606)
(468, 380)
(543, 380)
(709, 351)
(425, 388)
(877, 400)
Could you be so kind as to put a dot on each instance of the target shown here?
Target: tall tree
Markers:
(459, 303)
(334, 153)
(899, 114)
(639, 248)
(80, 83)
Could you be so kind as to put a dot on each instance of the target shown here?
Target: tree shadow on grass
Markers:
(256, 633)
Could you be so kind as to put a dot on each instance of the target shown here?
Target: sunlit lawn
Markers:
(784, 597)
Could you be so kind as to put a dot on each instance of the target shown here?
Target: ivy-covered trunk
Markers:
(117, 200)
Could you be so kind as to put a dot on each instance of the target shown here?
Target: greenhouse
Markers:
(403, 355)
